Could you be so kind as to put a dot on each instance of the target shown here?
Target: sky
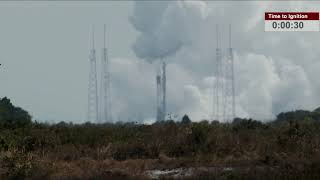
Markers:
(44, 49)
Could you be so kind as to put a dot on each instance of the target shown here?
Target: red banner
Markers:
(291, 16)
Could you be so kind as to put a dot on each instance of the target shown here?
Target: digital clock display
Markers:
(287, 25)
(292, 21)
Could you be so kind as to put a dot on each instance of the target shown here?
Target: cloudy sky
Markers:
(44, 50)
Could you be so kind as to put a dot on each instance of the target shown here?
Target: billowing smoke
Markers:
(274, 72)
(165, 27)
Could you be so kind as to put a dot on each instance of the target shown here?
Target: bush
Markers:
(129, 151)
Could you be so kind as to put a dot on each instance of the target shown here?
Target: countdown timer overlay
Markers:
(292, 21)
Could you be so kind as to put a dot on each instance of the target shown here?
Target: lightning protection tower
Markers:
(159, 110)
(92, 87)
(164, 90)
(105, 114)
(229, 89)
(218, 82)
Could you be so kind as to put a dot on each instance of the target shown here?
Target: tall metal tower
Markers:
(164, 90)
(159, 110)
(218, 82)
(161, 92)
(229, 89)
(92, 88)
(105, 105)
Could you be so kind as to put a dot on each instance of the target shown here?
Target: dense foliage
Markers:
(12, 117)
(286, 147)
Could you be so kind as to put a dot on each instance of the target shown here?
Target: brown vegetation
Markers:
(286, 148)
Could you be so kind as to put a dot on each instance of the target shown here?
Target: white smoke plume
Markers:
(165, 27)
(274, 72)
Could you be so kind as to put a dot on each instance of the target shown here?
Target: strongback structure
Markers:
(105, 104)
(224, 88)
(93, 86)
(161, 92)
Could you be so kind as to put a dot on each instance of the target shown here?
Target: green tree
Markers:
(11, 116)
(185, 120)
